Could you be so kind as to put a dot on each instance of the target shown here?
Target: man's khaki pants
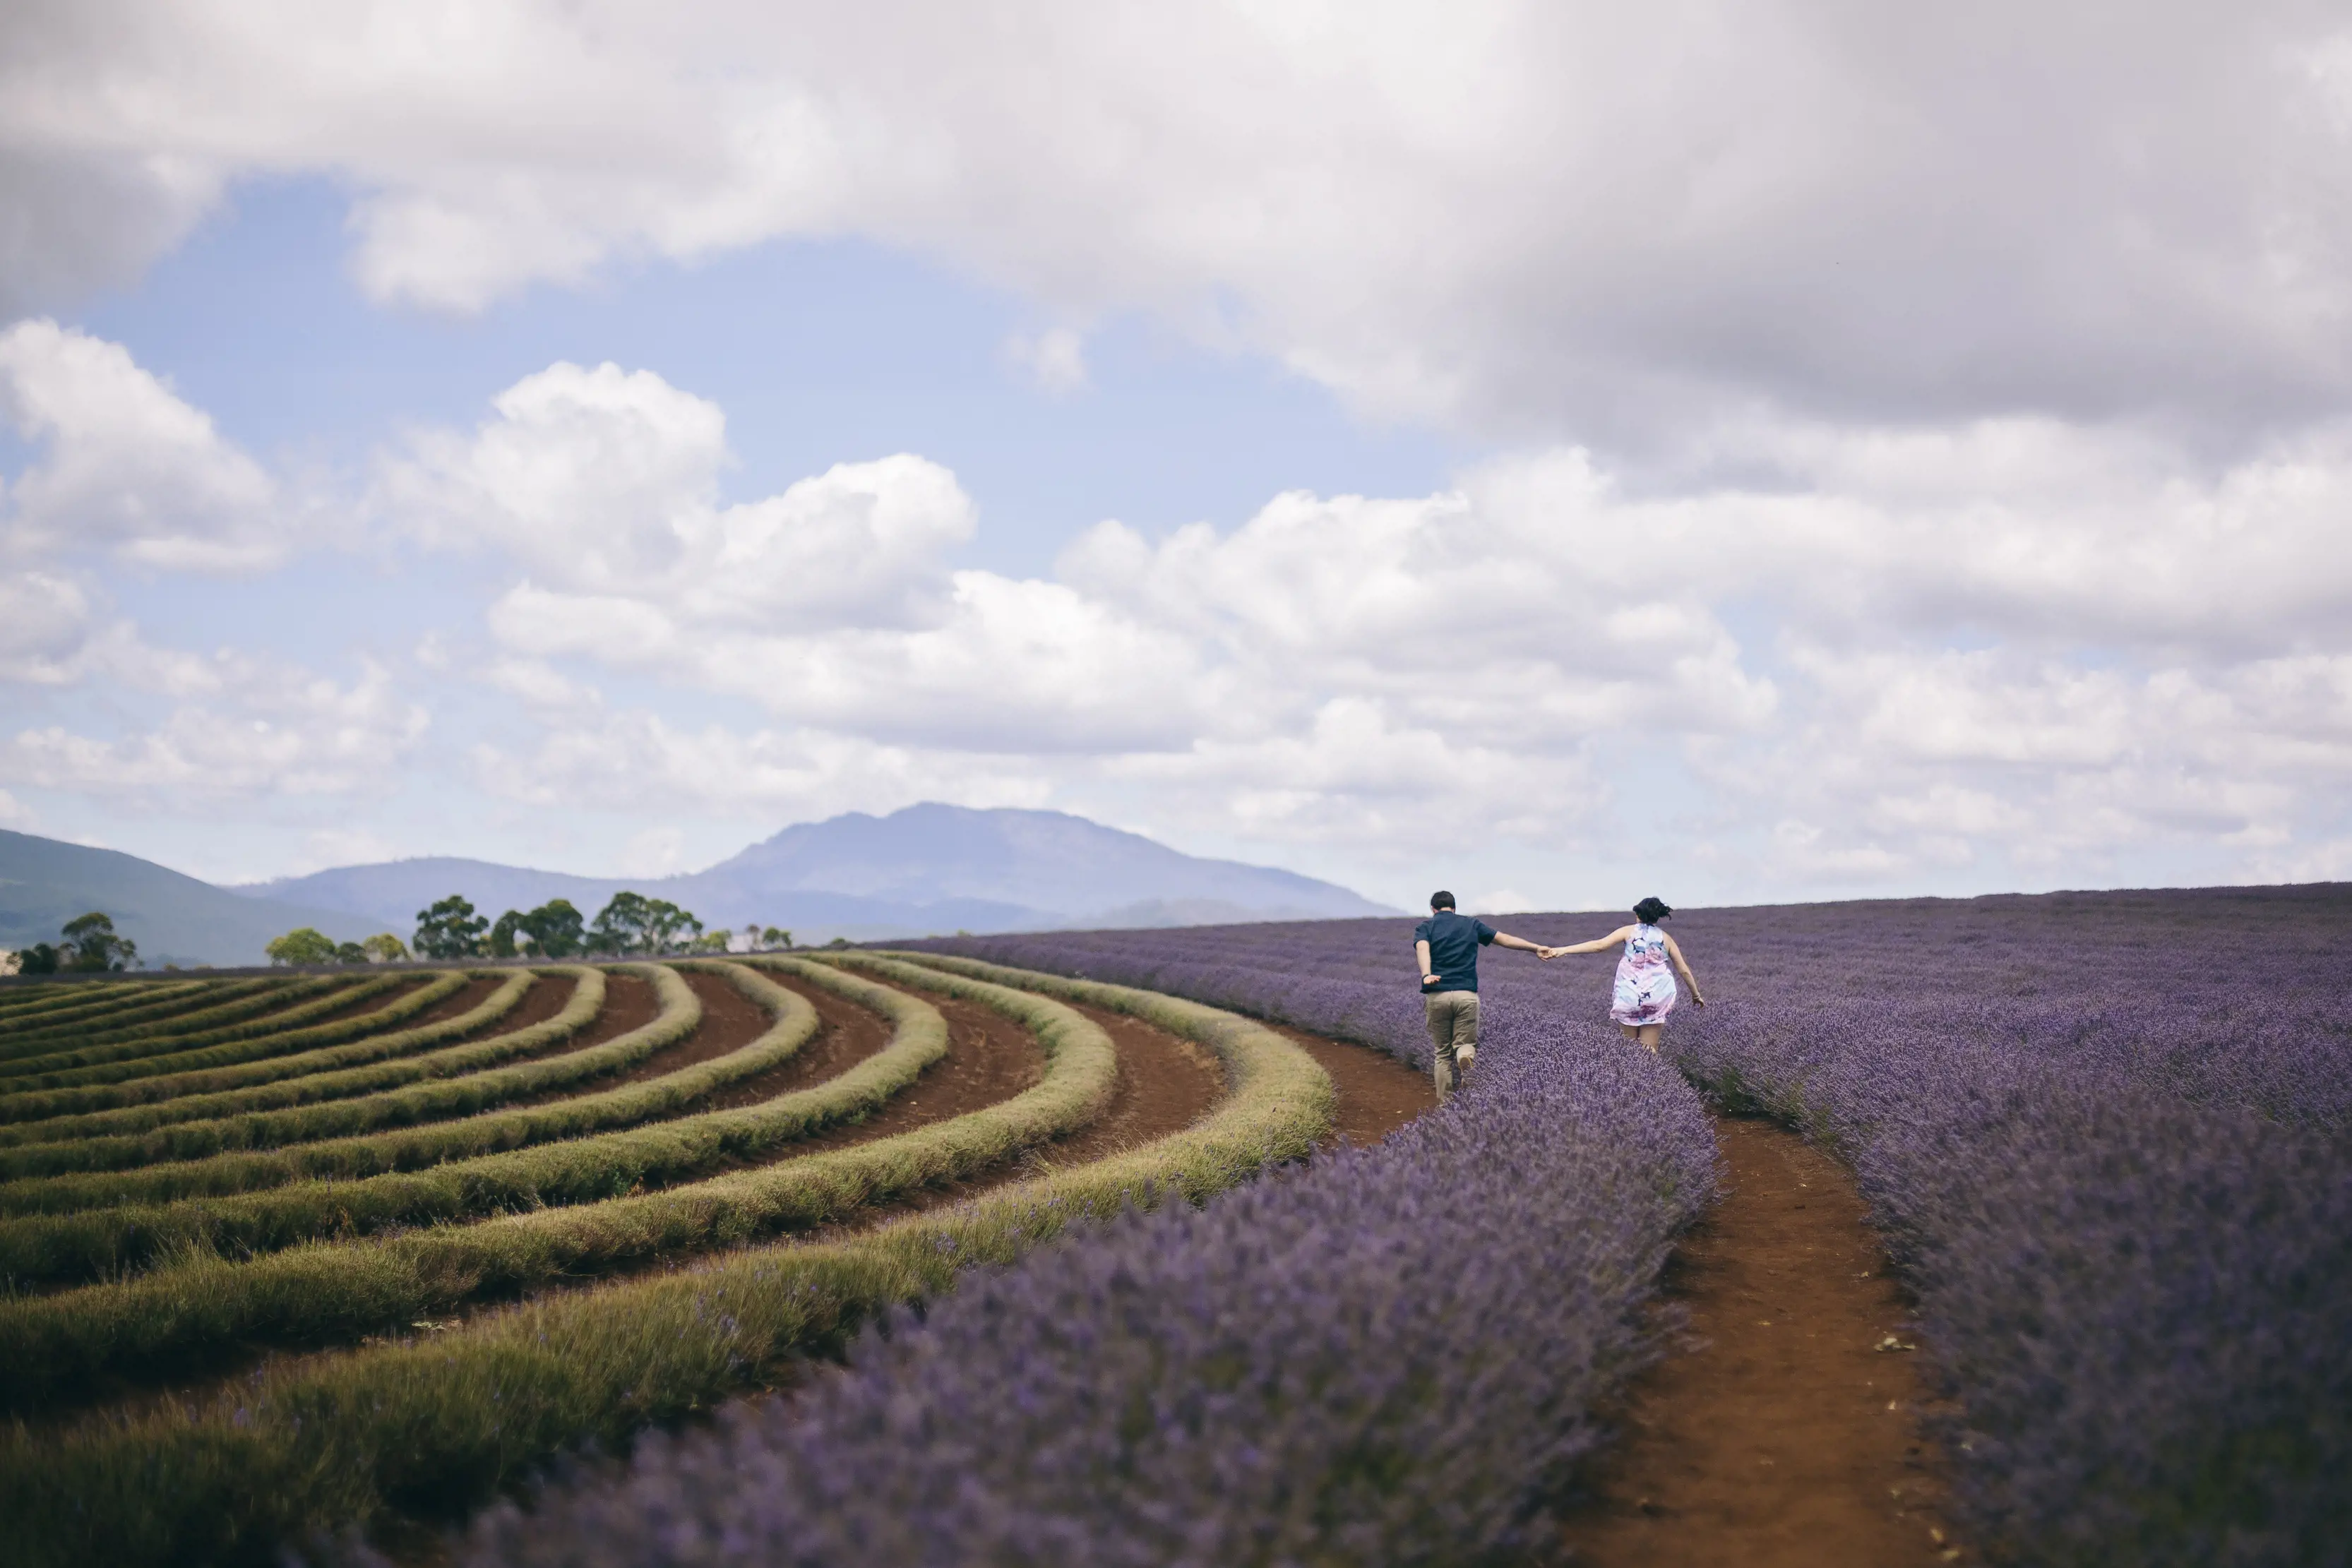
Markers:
(1454, 1034)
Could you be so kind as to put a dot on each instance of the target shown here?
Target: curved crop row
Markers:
(421, 1176)
(323, 1104)
(43, 1005)
(212, 1004)
(20, 995)
(459, 1082)
(283, 1159)
(234, 1068)
(334, 1291)
(680, 1147)
(220, 1047)
(164, 1047)
(308, 1445)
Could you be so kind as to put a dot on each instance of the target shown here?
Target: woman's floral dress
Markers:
(1645, 979)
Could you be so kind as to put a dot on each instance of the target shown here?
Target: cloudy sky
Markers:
(1567, 451)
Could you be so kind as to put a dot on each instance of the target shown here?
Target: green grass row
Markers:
(368, 1034)
(431, 1122)
(848, 1096)
(245, 1041)
(177, 1014)
(26, 999)
(154, 1049)
(314, 1445)
(24, 996)
(425, 1176)
(40, 1005)
(332, 1293)
(326, 1105)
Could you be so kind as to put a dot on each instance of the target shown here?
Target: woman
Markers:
(1646, 985)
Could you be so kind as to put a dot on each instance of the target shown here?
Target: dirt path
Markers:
(1781, 1435)
(1376, 1093)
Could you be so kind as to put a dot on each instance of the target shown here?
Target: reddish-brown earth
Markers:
(464, 999)
(1778, 1434)
(731, 1020)
(547, 997)
(990, 1059)
(629, 1004)
(1377, 1093)
(367, 1004)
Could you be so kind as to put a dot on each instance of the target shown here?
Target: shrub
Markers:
(303, 945)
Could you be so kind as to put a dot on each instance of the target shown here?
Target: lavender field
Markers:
(2108, 1137)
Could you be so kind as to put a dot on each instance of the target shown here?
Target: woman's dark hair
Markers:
(1441, 901)
(1649, 911)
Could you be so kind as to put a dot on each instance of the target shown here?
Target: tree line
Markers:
(87, 944)
(630, 924)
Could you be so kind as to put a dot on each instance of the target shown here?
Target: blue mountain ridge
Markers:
(174, 918)
(927, 869)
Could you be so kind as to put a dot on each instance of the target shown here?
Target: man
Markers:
(1447, 946)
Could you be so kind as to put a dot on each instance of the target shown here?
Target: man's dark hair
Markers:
(1649, 911)
(1441, 900)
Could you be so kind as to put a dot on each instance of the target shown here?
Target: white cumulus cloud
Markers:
(1545, 219)
(125, 466)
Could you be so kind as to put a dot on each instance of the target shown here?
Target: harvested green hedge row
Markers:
(330, 1292)
(408, 1147)
(291, 1109)
(21, 996)
(308, 1445)
(155, 1046)
(232, 1072)
(213, 1004)
(246, 1041)
(426, 1180)
(46, 1003)
(848, 1096)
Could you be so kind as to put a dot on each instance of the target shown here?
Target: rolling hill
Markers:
(927, 869)
(175, 919)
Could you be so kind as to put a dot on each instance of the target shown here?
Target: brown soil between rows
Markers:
(729, 1021)
(464, 999)
(547, 996)
(847, 1034)
(372, 1002)
(628, 1004)
(1777, 1434)
(1376, 1093)
(990, 1059)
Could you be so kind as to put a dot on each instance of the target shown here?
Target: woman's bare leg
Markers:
(1649, 1038)
(1631, 1031)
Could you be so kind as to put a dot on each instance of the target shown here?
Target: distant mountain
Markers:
(175, 919)
(927, 869)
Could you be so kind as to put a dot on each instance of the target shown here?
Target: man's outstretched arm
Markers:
(1504, 939)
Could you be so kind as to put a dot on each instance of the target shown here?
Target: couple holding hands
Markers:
(1446, 947)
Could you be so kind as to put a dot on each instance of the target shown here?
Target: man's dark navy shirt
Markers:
(1454, 943)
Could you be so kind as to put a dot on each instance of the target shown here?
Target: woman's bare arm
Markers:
(1598, 944)
(1689, 979)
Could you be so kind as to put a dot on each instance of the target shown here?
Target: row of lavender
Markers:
(2110, 1137)
(1391, 1355)
(2106, 1133)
